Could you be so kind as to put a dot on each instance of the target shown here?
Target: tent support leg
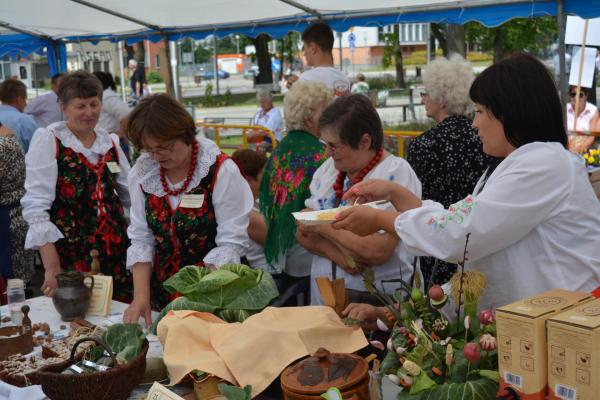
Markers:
(562, 50)
(122, 72)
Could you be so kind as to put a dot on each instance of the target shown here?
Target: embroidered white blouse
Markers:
(535, 226)
(323, 197)
(232, 200)
(42, 174)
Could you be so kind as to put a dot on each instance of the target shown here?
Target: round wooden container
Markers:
(12, 341)
(309, 378)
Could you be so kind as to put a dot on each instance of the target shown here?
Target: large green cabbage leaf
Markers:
(233, 292)
(480, 389)
(125, 340)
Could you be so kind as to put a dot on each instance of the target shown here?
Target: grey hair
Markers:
(448, 81)
(133, 63)
(303, 99)
(263, 94)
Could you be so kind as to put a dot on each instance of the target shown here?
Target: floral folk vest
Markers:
(89, 213)
(183, 236)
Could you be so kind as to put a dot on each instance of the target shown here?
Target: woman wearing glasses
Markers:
(190, 204)
(588, 119)
(533, 220)
(353, 133)
(448, 158)
(76, 190)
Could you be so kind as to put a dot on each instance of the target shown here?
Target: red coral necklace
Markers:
(338, 186)
(188, 179)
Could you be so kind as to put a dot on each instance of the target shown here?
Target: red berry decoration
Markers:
(436, 292)
(471, 352)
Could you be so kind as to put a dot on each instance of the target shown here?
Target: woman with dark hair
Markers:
(352, 131)
(189, 203)
(533, 220)
(76, 189)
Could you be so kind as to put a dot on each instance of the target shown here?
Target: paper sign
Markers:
(159, 392)
(113, 167)
(101, 296)
(574, 31)
(589, 63)
(192, 201)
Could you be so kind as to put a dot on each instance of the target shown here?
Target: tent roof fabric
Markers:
(91, 20)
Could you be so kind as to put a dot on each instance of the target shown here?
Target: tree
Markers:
(265, 73)
(392, 54)
(451, 38)
(529, 34)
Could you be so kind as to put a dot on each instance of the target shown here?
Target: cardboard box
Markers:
(522, 349)
(574, 353)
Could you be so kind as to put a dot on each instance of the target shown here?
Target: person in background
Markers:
(353, 133)
(361, 86)
(587, 116)
(268, 116)
(15, 261)
(533, 220)
(190, 204)
(113, 117)
(13, 95)
(137, 80)
(285, 183)
(45, 109)
(251, 164)
(448, 158)
(317, 40)
(76, 193)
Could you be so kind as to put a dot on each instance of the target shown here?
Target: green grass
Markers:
(235, 99)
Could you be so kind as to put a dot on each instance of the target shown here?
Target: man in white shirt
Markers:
(45, 109)
(317, 42)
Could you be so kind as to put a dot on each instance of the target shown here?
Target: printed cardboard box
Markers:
(522, 349)
(574, 353)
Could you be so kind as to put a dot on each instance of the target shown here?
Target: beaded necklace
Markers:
(188, 179)
(338, 186)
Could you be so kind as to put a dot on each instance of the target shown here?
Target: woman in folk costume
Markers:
(533, 218)
(190, 204)
(286, 179)
(76, 190)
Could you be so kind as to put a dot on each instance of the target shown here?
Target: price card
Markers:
(192, 201)
(159, 392)
(101, 295)
(113, 167)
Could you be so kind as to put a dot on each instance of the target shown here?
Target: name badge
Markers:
(192, 201)
(113, 167)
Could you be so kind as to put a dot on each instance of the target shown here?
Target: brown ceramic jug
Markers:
(72, 297)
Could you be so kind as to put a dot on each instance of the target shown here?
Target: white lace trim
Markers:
(41, 233)
(146, 170)
(101, 145)
(139, 252)
(228, 254)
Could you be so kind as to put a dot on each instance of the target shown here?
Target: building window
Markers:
(156, 61)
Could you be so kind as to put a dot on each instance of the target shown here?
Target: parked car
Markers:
(208, 75)
(251, 72)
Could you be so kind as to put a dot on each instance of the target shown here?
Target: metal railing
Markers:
(400, 136)
(244, 128)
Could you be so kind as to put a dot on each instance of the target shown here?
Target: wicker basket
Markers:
(114, 384)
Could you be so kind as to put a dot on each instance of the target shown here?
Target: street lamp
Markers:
(237, 43)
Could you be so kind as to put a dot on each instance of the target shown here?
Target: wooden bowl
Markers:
(12, 341)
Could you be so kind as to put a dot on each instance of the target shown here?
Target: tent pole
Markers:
(340, 51)
(122, 72)
(174, 70)
(215, 42)
(561, 23)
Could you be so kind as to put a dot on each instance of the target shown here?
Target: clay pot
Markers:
(72, 297)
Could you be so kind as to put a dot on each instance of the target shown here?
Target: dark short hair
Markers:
(351, 117)
(319, 33)
(106, 79)
(249, 162)
(519, 91)
(56, 77)
(160, 117)
(11, 89)
(79, 84)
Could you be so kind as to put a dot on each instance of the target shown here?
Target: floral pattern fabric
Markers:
(285, 187)
(75, 211)
(183, 236)
(448, 160)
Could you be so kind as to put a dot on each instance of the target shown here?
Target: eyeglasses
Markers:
(161, 150)
(573, 94)
(423, 94)
(331, 146)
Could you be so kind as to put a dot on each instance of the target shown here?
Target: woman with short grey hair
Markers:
(448, 158)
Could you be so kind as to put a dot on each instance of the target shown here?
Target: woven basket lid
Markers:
(316, 374)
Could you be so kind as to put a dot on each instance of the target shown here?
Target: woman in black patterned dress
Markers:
(448, 158)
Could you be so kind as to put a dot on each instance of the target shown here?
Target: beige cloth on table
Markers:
(256, 351)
